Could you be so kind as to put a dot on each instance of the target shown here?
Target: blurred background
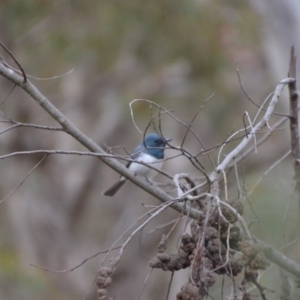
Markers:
(175, 53)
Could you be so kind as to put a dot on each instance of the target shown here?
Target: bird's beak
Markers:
(168, 140)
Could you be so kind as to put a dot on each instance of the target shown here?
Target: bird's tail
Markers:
(114, 188)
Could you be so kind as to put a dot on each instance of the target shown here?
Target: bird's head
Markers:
(155, 144)
(154, 140)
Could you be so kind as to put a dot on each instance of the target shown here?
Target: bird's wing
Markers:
(138, 150)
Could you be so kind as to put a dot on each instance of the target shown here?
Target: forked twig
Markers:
(15, 60)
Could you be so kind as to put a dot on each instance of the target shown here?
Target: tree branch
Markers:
(294, 120)
(72, 130)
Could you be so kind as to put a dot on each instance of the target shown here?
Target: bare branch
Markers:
(294, 120)
(281, 260)
(72, 130)
(262, 123)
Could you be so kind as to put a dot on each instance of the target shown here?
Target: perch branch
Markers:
(72, 130)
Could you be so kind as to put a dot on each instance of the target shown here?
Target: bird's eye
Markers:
(156, 141)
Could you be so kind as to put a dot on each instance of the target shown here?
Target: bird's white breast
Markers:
(143, 170)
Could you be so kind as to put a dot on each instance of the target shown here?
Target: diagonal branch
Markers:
(257, 128)
(83, 139)
(216, 174)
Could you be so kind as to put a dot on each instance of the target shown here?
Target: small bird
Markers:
(150, 151)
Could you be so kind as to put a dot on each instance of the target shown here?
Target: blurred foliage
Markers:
(202, 33)
(16, 283)
(171, 52)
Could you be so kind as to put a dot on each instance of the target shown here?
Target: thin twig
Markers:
(247, 95)
(152, 212)
(263, 122)
(276, 163)
(145, 281)
(7, 96)
(133, 233)
(18, 125)
(77, 266)
(22, 181)
(169, 285)
(15, 60)
(171, 115)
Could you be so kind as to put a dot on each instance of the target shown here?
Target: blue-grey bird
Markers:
(150, 151)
